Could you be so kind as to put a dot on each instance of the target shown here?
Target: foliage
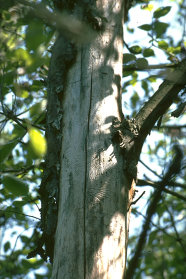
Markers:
(24, 55)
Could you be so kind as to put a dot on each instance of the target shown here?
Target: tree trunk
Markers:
(92, 229)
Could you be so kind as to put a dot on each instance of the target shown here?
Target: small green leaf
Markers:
(7, 246)
(152, 79)
(19, 203)
(135, 49)
(126, 74)
(161, 11)
(24, 238)
(152, 237)
(142, 63)
(134, 99)
(130, 30)
(175, 50)
(163, 44)
(147, 52)
(145, 27)
(14, 185)
(6, 149)
(128, 57)
(160, 28)
(23, 57)
(145, 86)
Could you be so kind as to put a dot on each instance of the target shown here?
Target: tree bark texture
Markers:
(92, 228)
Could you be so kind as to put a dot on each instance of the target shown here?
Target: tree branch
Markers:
(149, 67)
(157, 227)
(160, 102)
(142, 182)
(156, 185)
(174, 169)
(178, 127)
(12, 211)
(178, 238)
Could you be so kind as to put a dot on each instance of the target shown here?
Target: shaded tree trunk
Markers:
(91, 236)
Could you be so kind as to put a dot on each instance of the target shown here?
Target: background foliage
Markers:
(25, 50)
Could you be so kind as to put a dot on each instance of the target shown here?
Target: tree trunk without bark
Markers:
(92, 229)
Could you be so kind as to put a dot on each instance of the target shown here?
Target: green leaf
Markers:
(147, 52)
(23, 57)
(142, 63)
(152, 79)
(126, 74)
(34, 35)
(14, 185)
(36, 109)
(6, 246)
(134, 99)
(128, 57)
(6, 149)
(145, 27)
(163, 44)
(160, 28)
(135, 49)
(152, 237)
(175, 50)
(161, 11)
(24, 238)
(145, 86)
(19, 203)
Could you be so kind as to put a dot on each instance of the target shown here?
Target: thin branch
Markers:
(178, 238)
(19, 235)
(12, 211)
(157, 185)
(134, 202)
(147, 167)
(32, 124)
(174, 169)
(149, 67)
(156, 226)
(19, 120)
(170, 127)
(18, 171)
(142, 182)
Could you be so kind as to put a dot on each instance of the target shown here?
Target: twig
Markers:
(156, 226)
(157, 185)
(12, 211)
(142, 182)
(147, 167)
(18, 171)
(178, 238)
(134, 202)
(149, 67)
(174, 169)
(170, 127)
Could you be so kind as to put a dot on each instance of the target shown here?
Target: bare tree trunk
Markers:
(91, 236)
